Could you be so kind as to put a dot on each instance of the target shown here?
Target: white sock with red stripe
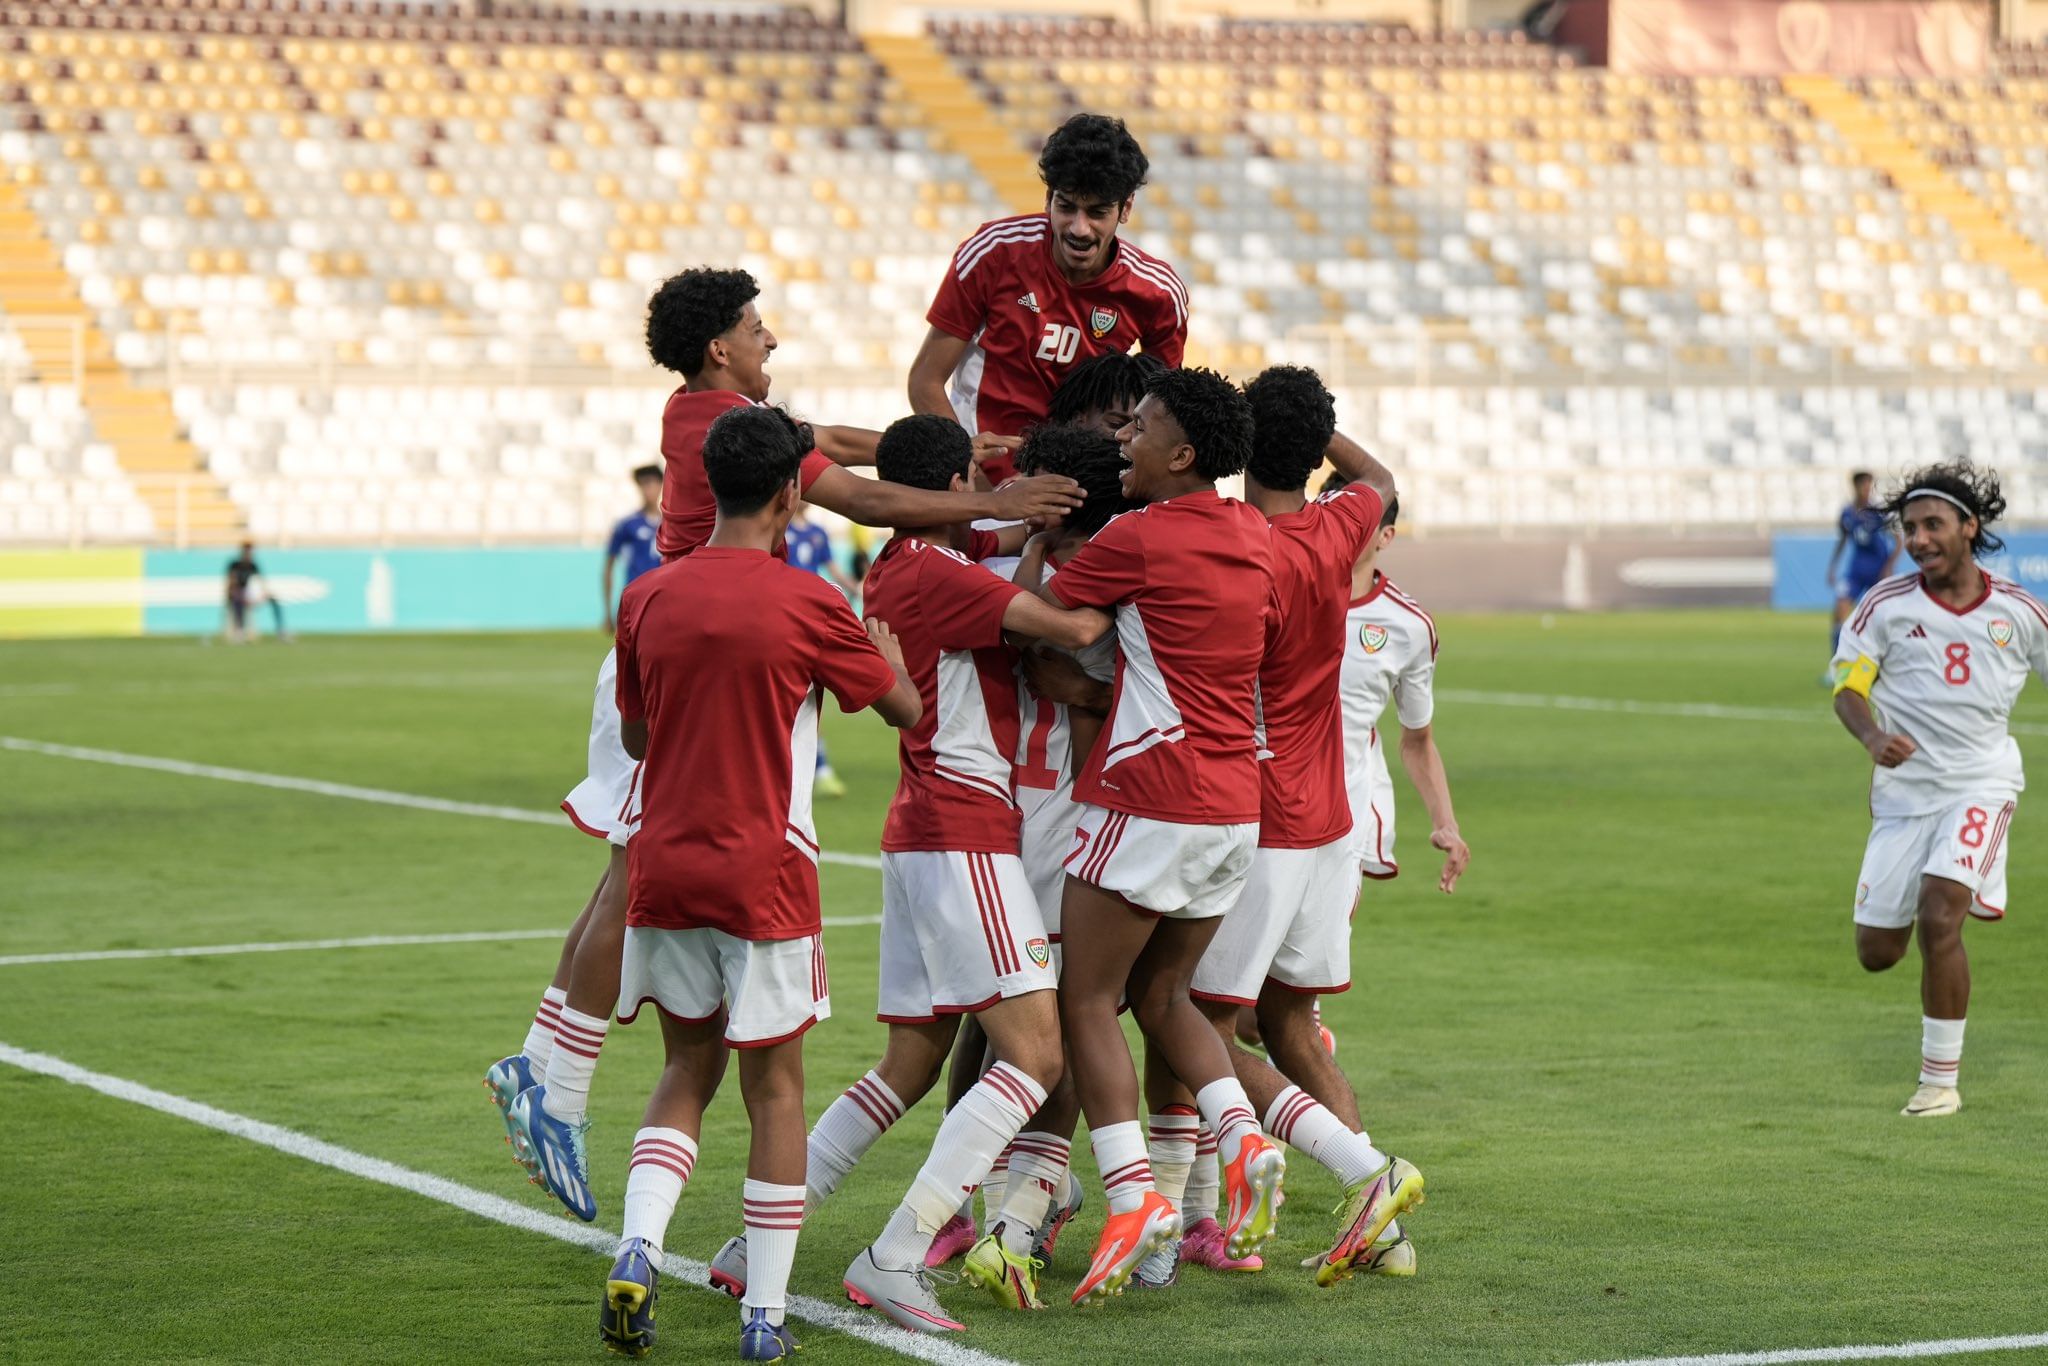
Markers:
(995, 1189)
(1038, 1161)
(975, 1131)
(1205, 1180)
(1302, 1122)
(1120, 1157)
(540, 1035)
(662, 1159)
(1941, 1051)
(1172, 1150)
(844, 1133)
(1228, 1110)
(578, 1037)
(773, 1216)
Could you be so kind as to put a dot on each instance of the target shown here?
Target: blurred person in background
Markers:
(1872, 552)
(810, 549)
(243, 591)
(633, 538)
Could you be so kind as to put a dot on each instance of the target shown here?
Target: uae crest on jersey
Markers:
(1040, 954)
(1100, 321)
(2001, 632)
(1373, 638)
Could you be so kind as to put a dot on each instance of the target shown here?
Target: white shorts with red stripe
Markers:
(1188, 872)
(959, 932)
(1964, 843)
(1292, 926)
(1372, 825)
(607, 802)
(769, 990)
(1050, 815)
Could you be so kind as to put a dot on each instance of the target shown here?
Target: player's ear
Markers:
(1123, 214)
(1182, 460)
(786, 499)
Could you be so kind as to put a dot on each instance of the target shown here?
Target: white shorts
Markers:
(1048, 833)
(1372, 826)
(1965, 844)
(1292, 926)
(959, 933)
(1188, 872)
(607, 802)
(770, 990)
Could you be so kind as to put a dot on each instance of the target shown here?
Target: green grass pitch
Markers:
(1655, 1098)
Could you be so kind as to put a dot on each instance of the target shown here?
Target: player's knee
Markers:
(1154, 1005)
(1876, 955)
(1285, 1016)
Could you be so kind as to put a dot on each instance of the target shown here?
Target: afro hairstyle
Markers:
(1293, 419)
(1213, 415)
(691, 309)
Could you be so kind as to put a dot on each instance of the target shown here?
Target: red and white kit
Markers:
(606, 803)
(1947, 679)
(960, 924)
(725, 654)
(1292, 925)
(1171, 791)
(1390, 648)
(1028, 325)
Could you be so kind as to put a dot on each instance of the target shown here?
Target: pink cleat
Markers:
(956, 1235)
(1202, 1245)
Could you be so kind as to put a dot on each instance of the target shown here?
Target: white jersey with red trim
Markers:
(1947, 679)
(1390, 647)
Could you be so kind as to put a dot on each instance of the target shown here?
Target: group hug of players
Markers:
(1140, 770)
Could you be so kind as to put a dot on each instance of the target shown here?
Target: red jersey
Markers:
(1028, 325)
(687, 507)
(954, 792)
(1190, 580)
(1303, 802)
(723, 653)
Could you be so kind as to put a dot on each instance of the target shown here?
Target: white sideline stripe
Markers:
(481, 1203)
(496, 678)
(381, 796)
(368, 941)
(1712, 711)
(1943, 1347)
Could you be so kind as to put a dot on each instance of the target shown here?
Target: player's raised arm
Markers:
(1426, 770)
(877, 502)
(846, 445)
(936, 361)
(1358, 466)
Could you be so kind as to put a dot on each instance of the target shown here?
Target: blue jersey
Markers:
(633, 537)
(1869, 545)
(809, 548)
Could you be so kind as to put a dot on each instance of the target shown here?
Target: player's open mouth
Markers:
(1082, 249)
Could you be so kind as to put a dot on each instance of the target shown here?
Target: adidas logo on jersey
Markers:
(1917, 633)
(1029, 301)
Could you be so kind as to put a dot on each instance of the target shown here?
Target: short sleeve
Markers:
(1357, 509)
(848, 663)
(1167, 339)
(961, 306)
(813, 465)
(632, 705)
(983, 544)
(1415, 689)
(1110, 569)
(622, 537)
(962, 603)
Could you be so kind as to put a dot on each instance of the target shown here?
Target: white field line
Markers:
(1709, 711)
(496, 1208)
(381, 796)
(1894, 1351)
(368, 941)
(493, 678)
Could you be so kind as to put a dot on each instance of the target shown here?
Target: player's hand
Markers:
(1889, 751)
(1457, 857)
(1041, 499)
(885, 641)
(989, 445)
(1060, 678)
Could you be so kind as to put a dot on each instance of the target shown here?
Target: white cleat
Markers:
(1930, 1101)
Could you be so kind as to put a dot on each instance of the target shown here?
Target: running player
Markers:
(1926, 675)
(1027, 297)
(723, 658)
(1872, 553)
(633, 538)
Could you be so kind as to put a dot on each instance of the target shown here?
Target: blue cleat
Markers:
(506, 1079)
(761, 1340)
(627, 1321)
(557, 1152)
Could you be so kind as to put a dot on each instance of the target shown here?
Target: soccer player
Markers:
(1926, 674)
(242, 577)
(633, 538)
(810, 549)
(1872, 553)
(1025, 298)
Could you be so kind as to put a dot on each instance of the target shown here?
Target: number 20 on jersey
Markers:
(1060, 342)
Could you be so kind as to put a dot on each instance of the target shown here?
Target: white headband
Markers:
(1961, 506)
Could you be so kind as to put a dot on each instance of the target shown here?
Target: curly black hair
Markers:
(1293, 418)
(924, 451)
(1213, 416)
(750, 453)
(692, 308)
(1093, 157)
(1111, 382)
(1975, 489)
(1087, 457)
(1389, 515)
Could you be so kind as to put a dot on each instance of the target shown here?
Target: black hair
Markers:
(1213, 416)
(1087, 457)
(1113, 380)
(692, 308)
(647, 472)
(924, 451)
(1093, 157)
(1390, 514)
(1975, 489)
(750, 453)
(1863, 477)
(1293, 419)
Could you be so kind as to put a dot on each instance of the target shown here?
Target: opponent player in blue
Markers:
(1871, 556)
(633, 537)
(810, 549)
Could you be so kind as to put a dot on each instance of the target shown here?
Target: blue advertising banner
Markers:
(1799, 582)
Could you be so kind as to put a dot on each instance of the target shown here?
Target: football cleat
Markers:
(1057, 1220)
(1930, 1101)
(955, 1236)
(1012, 1281)
(729, 1267)
(1369, 1206)
(1395, 1258)
(627, 1321)
(506, 1079)
(1127, 1240)
(1252, 1182)
(761, 1340)
(1203, 1246)
(904, 1293)
(1161, 1270)
(558, 1149)
(828, 784)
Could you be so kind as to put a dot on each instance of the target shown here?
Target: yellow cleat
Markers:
(1368, 1208)
(1011, 1280)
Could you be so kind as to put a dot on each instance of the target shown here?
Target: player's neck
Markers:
(952, 535)
(1959, 589)
(1182, 487)
(1274, 502)
(760, 531)
(711, 382)
(1365, 576)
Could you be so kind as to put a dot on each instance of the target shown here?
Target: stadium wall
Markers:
(1799, 565)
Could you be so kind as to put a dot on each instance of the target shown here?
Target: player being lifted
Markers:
(723, 658)
(1025, 298)
(1926, 675)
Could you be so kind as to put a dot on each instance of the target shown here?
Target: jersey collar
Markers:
(1379, 584)
(1959, 611)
